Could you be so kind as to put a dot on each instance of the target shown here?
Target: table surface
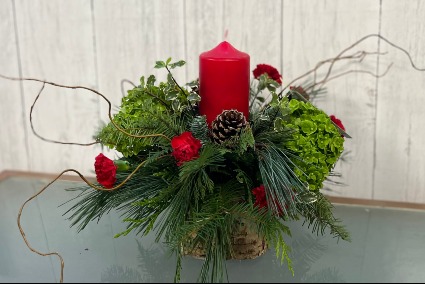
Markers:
(388, 245)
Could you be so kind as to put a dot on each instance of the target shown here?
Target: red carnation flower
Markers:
(260, 196)
(337, 122)
(185, 147)
(261, 200)
(269, 70)
(105, 171)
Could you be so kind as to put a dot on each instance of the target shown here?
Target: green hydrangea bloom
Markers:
(316, 140)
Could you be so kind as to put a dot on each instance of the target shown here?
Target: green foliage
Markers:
(246, 140)
(240, 143)
(316, 141)
(146, 110)
(214, 223)
(199, 129)
(149, 183)
(260, 89)
(287, 146)
(318, 215)
(194, 175)
(167, 64)
(281, 183)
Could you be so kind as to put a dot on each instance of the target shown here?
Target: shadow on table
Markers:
(155, 264)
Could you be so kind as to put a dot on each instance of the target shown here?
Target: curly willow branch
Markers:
(50, 140)
(70, 170)
(349, 72)
(45, 187)
(93, 91)
(358, 55)
(122, 86)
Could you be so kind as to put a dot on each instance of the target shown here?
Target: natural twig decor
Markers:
(216, 187)
(359, 56)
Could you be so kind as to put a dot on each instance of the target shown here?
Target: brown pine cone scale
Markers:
(227, 124)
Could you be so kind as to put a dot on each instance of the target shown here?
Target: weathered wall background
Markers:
(96, 44)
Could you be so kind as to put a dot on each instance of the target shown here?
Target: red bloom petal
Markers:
(260, 196)
(337, 122)
(269, 70)
(261, 200)
(185, 147)
(105, 171)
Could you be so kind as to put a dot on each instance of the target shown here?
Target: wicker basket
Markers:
(246, 244)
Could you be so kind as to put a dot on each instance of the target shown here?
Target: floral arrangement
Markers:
(204, 188)
(218, 166)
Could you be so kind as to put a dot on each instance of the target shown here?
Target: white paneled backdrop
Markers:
(97, 44)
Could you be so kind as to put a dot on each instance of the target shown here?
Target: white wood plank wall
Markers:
(97, 44)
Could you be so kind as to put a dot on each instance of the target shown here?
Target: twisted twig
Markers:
(50, 183)
(360, 55)
(349, 72)
(122, 86)
(50, 140)
(91, 90)
(70, 170)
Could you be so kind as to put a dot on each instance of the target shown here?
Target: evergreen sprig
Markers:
(319, 216)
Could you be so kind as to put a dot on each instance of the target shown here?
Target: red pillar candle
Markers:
(223, 81)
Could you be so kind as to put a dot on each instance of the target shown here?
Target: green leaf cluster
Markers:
(148, 109)
(260, 89)
(316, 141)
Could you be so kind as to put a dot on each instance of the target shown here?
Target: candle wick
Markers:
(226, 32)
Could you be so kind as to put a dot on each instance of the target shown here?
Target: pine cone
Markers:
(227, 124)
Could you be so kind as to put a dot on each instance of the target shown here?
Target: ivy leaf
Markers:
(193, 97)
(168, 60)
(278, 124)
(160, 64)
(171, 95)
(275, 100)
(176, 105)
(170, 79)
(177, 64)
(151, 80)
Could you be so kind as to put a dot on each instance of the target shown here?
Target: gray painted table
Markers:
(388, 245)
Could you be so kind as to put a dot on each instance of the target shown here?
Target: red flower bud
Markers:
(269, 70)
(260, 196)
(261, 200)
(185, 147)
(105, 171)
(337, 122)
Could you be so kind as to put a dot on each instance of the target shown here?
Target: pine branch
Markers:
(213, 225)
(92, 204)
(199, 129)
(319, 216)
(282, 185)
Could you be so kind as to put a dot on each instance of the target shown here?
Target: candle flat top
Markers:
(224, 51)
